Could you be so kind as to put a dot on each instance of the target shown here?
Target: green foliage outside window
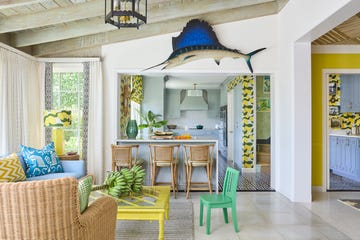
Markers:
(68, 95)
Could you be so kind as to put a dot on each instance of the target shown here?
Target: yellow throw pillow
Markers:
(10, 169)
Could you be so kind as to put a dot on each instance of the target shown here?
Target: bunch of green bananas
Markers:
(126, 181)
(138, 180)
(115, 183)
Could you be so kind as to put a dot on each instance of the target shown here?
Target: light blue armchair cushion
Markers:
(41, 161)
(75, 169)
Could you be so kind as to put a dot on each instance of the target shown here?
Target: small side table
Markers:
(69, 157)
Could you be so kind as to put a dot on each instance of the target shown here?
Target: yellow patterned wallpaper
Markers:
(125, 92)
(348, 119)
(248, 122)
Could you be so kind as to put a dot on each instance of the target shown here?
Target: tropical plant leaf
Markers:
(142, 126)
(150, 119)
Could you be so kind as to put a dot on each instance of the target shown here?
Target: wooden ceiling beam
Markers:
(151, 29)
(96, 25)
(52, 16)
(4, 4)
(71, 30)
(95, 8)
(281, 4)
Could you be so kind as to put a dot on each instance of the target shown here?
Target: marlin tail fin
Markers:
(249, 57)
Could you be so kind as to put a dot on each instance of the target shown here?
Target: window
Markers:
(135, 111)
(67, 94)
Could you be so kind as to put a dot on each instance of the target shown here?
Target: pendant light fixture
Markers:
(126, 13)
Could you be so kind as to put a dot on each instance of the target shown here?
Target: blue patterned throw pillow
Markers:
(41, 161)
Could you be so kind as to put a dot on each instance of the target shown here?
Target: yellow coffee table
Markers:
(152, 204)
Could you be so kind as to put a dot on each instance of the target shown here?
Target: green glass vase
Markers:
(132, 129)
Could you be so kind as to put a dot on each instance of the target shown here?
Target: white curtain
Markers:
(95, 154)
(21, 99)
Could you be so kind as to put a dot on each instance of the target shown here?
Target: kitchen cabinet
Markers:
(345, 156)
(172, 103)
(214, 103)
(350, 97)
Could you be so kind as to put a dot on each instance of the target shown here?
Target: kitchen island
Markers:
(199, 175)
(344, 155)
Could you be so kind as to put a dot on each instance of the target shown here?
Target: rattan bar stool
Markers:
(198, 156)
(164, 156)
(125, 156)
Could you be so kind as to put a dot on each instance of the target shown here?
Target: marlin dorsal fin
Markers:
(195, 33)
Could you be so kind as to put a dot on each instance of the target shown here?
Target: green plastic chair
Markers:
(224, 200)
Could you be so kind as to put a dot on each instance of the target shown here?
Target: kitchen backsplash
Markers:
(347, 119)
(193, 118)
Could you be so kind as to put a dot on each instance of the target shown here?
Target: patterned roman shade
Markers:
(137, 89)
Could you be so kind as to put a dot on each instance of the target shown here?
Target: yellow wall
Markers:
(319, 62)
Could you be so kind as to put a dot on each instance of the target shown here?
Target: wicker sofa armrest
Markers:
(99, 219)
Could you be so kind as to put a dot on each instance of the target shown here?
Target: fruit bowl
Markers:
(158, 133)
(171, 126)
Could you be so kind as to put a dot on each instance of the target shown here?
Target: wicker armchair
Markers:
(49, 209)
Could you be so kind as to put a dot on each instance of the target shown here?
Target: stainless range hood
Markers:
(193, 99)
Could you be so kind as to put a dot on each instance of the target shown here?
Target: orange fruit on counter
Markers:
(184, 136)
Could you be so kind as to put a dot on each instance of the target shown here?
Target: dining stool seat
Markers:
(164, 155)
(125, 156)
(198, 156)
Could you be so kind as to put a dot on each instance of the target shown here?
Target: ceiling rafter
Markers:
(347, 32)
(81, 28)
(52, 16)
(5, 4)
(152, 29)
(69, 27)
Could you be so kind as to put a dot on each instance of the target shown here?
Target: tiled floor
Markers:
(341, 183)
(270, 216)
(256, 181)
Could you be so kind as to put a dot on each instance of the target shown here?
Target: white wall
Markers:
(133, 56)
(300, 22)
(287, 37)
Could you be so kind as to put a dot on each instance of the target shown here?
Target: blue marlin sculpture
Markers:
(198, 41)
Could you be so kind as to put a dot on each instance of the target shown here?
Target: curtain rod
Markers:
(59, 60)
(70, 59)
(18, 52)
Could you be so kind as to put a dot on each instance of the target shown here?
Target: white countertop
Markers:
(344, 135)
(199, 139)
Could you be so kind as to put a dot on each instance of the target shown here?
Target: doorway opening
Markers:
(249, 134)
(343, 135)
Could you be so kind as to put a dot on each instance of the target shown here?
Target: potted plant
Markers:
(151, 121)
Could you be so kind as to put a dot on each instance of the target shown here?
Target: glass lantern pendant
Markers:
(126, 13)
